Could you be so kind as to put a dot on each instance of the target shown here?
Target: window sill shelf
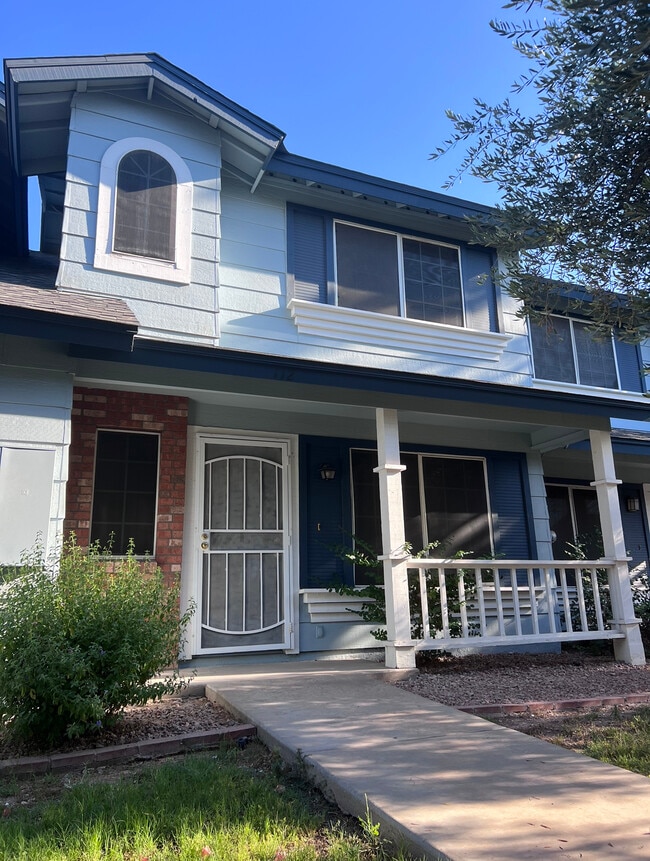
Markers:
(325, 606)
(383, 330)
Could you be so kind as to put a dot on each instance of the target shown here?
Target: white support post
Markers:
(630, 649)
(400, 651)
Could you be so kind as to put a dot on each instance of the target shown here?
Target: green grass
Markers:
(626, 745)
(234, 805)
(616, 736)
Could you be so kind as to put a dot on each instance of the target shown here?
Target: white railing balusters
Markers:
(426, 629)
(582, 609)
(533, 601)
(597, 601)
(515, 600)
(480, 602)
(444, 608)
(566, 604)
(497, 595)
(464, 624)
(549, 585)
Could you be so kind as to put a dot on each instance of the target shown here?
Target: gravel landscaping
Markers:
(516, 678)
(468, 681)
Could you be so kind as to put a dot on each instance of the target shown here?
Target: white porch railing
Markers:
(455, 603)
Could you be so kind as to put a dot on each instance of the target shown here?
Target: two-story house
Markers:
(239, 358)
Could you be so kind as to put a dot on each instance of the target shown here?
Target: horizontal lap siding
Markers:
(35, 414)
(252, 288)
(186, 312)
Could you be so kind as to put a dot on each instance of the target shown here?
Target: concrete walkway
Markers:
(443, 783)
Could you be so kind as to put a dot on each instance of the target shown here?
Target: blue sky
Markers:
(360, 84)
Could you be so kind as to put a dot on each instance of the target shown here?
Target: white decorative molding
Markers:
(384, 330)
(325, 606)
(176, 271)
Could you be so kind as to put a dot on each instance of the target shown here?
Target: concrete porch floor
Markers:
(442, 783)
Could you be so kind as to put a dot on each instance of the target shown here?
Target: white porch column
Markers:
(400, 652)
(630, 649)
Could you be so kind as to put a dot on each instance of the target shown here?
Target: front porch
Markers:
(509, 592)
(468, 603)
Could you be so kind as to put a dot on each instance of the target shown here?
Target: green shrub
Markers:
(81, 640)
(373, 609)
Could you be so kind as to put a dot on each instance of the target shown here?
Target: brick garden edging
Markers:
(148, 749)
(556, 705)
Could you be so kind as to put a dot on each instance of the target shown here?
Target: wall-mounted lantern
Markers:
(327, 472)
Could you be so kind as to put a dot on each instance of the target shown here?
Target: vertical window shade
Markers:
(596, 363)
(145, 206)
(445, 499)
(553, 351)
(567, 351)
(366, 270)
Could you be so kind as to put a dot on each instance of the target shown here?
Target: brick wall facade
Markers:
(101, 409)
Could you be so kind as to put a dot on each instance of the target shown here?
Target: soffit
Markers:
(41, 92)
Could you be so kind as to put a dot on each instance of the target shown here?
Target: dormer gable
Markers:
(40, 95)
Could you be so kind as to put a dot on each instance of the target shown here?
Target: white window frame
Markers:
(399, 247)
(574, 353)
(176, 271)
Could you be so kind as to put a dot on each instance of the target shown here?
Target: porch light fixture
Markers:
(632, 503)
(327, 472)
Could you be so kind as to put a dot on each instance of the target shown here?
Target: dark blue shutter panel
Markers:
(509, 507)
(629, 366)
(307, 255)
(478, 287)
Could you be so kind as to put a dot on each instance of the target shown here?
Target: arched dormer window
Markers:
(145, 206)
(144, 211)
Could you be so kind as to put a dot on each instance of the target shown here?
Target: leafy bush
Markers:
(373, 609)
(81, 640)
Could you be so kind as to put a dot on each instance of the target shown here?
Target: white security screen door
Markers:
(243, 538)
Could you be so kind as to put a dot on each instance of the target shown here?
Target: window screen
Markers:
(432, 283)
(366, 269)
(124, 493)
(566, 350)
(553, 351)
(145, 207)
(596, 365)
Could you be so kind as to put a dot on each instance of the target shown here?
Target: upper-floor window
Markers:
(348, 281)
(145, 206)
(391, 273)
(144, 211)
(567, 351)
